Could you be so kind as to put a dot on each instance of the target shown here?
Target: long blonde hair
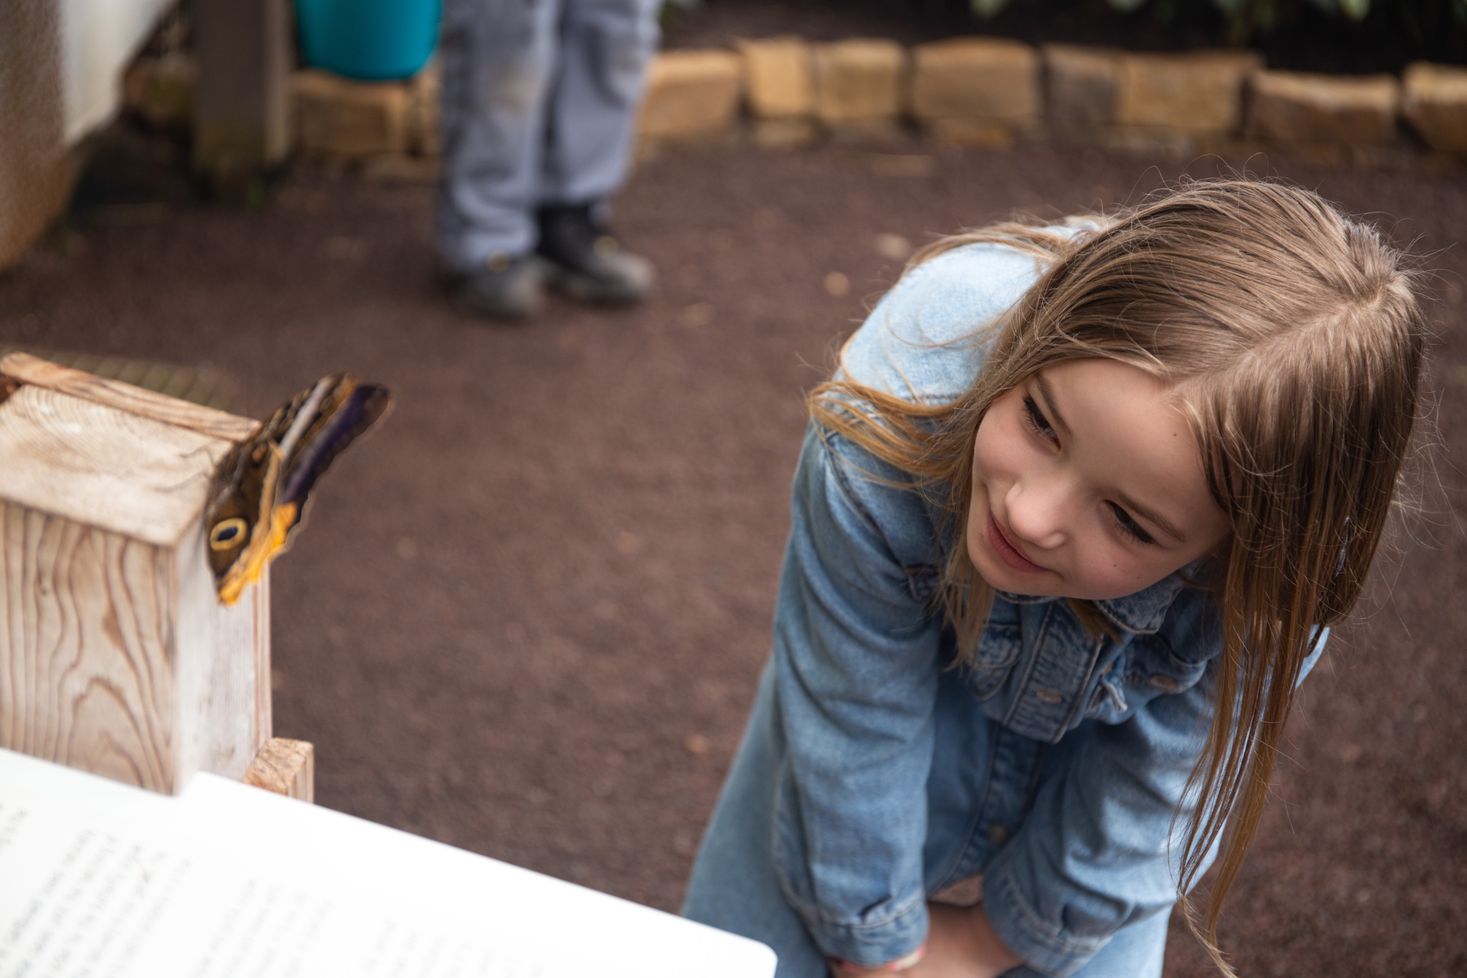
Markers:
(1293, 340)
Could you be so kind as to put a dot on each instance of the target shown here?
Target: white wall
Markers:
(61, 65)
(98, 39)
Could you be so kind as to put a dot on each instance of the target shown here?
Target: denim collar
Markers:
(1141, 613)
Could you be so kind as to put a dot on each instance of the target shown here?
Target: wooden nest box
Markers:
(116, 655)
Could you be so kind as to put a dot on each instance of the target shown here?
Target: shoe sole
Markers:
(590, 290)
(463, 298)
(473, 307)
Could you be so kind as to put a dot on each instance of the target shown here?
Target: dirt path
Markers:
(527, 615)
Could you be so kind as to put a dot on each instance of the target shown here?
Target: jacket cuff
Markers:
(869, 943)
(1045, 947)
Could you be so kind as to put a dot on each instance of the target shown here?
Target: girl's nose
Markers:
(1036, 511)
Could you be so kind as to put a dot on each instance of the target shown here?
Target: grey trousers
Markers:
(539, 107)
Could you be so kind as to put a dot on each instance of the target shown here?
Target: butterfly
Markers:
(260, 487)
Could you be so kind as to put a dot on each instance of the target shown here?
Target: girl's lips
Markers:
(1006, 551)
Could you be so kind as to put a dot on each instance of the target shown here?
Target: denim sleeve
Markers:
(1099, 850)
(856, 668)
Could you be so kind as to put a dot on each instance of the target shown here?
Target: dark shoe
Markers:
(585, 261)
(507, 287)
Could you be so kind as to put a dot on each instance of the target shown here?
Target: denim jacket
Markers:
(1091, 739)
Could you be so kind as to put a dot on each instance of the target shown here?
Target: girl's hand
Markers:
(961, 943)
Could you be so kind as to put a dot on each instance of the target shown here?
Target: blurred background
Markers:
(527, 614)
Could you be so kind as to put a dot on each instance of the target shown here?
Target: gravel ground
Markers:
(527, 615)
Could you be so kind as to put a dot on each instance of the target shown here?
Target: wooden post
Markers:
(115, 653)
(286, 767)
(242, 98)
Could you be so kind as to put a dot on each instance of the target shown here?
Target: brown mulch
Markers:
(526, 616)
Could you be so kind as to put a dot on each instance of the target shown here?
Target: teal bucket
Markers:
(373, 40)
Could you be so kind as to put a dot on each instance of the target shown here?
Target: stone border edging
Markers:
(785, 91)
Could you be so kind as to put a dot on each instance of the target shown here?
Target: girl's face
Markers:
(1088, 483)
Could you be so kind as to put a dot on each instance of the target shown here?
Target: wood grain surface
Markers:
(125, 397)
(286, 767)
(87, 656)
(115, 653)
(103, 466)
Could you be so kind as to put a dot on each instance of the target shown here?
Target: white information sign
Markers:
(102, 880)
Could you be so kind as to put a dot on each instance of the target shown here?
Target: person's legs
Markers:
(733, 885)
(605, 46)
(1134, 952)
(498, 58)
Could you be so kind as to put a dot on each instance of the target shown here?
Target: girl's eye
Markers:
(1129, 526)
(1037, 422)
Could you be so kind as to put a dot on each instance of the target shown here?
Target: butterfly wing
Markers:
(237, 518)
(348, 408)
(261, 488)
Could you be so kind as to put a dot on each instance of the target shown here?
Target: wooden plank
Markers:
(202, 384)
(286, 767)
(223, 667)
(116, 655)
(85, 652)
(103, 467)
(27, 369)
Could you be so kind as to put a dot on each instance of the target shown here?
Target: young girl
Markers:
(1070, 524)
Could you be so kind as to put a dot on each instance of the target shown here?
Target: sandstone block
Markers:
(784, 133)
(1199, 92)
(1154, 140)
(976, 80)
(1291, 106)
(349, 119)
(972, 132)
(161, 90)
(1435, 103)
(871, 133)
(424, 111)
(858, 81)
(1081, 85)
(779, 77)
(421, 170)
(690, 95)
